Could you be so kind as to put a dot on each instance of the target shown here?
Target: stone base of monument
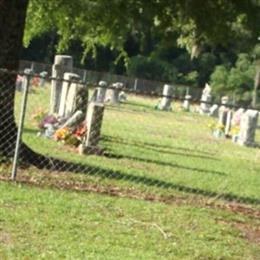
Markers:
(84, 150)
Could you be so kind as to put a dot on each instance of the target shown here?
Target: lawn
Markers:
(38, 223)
(165, 188)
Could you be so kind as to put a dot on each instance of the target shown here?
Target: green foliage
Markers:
(218, 79)
(153, 69)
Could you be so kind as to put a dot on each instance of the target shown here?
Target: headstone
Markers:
(43, 76)
(62, 64)
(74, 120)
(66, 85)
(186, 102)
(222, 115)
(213, 111)
(228, 122)
(101, 91)
(237, 117)
(113, 93)
(77, 99)
(167, 98)
(206, 98)
(224, 101)
(94, 123)
(122, 96)
(223, 111)
(248, 127)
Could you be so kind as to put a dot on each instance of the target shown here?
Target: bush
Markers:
(151, 69)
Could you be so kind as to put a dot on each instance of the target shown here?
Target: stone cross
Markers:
(248, 125)
(166, 101)
(62, 64)
(205, 99)
(94, 123)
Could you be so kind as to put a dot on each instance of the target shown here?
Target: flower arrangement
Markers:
(217, 129)
(235, 130)
(70, 137)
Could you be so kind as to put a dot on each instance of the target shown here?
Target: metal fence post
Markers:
(20, 125)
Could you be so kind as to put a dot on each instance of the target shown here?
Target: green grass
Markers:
(50, 224)
(160, 156)
(159, 151)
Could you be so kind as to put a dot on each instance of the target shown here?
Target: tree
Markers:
(109, 23)
(12, 22)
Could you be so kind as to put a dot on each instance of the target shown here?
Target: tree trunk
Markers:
(12, 21)
(256, 86)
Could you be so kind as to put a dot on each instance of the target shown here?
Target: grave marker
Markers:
(62, 64)
(166, 101)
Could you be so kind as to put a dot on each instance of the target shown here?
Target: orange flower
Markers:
(62, 133)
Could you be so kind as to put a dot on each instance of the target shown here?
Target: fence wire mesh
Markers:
(120, 140)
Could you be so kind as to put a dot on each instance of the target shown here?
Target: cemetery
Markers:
(129, 129)
(143, 146)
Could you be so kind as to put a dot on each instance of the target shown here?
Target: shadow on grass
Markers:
(112, 155)
(160, 148)
(57, 165)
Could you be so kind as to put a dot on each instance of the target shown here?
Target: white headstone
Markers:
(248, 127)
(222, 115)
(186, 102)
(237, 117)
(66, 85)
(76, 99)
(228, 122)
(101, 91)
(167, 98)
(206, 98)
(94, 123)
(113, 93)
(213, 111)
(62, 64)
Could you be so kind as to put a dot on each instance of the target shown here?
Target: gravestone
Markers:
(43, 76)
(222, 115)
(94, 123)
(74, 120)
(167, 98)
(206, 98)
(62, 64)
(228, 122)
(237, 117)
(69, 78)
(113, 93)
(77, 99)
(122, 96)
(223, 111)
(213, 111)
(248, 126)
(186, 102)
(101, 91)
(224, 101)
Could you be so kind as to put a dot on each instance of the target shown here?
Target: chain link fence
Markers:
(67, 132)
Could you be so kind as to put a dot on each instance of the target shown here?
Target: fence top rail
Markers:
(153, 94)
